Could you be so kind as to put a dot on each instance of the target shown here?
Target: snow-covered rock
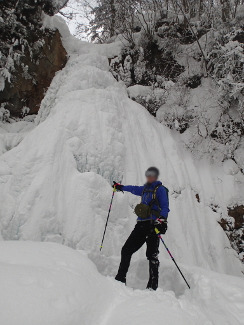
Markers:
(138, 90)
(230, 167)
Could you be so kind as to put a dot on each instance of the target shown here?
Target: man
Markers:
(152, 212)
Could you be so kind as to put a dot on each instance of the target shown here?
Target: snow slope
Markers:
(55, 185)
(11, 134)
(49, 284)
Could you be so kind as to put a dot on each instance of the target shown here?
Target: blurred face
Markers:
(151, 179)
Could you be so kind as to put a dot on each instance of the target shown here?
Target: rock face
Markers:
(234, 228)
(30, 55)
(142, 65)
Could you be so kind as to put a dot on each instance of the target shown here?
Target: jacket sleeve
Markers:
(136, 190)
(163, 201)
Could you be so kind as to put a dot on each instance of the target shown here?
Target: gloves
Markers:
(118, 187)
(161, 225)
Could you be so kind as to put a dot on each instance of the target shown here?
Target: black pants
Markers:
(142, 233)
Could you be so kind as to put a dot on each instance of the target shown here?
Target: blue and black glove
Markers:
(161, 225)
(118, 187)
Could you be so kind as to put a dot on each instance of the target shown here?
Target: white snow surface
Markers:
(50, 284)
(138, 90)
(11, 134)
(55, 185)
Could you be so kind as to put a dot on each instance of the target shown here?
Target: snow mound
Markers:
(50, 284)
(230, 167)
(138, 90)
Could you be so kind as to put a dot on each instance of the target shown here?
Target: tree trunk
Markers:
(225, 10)
(199, 9)
(113, 17)
(185, 9)
(185, 5)
(167, 8)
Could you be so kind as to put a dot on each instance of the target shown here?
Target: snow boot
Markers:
(153, 274)
(120, 278)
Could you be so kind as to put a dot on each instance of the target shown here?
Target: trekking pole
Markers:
(159, 236)
(110, 207)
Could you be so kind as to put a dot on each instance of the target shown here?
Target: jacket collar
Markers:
(154, 184)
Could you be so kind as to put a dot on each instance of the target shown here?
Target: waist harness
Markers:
(145, 211)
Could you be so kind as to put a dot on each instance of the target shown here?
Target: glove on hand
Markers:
(118, 187)
(161, 225)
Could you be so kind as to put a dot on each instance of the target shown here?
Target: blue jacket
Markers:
(162, 197)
